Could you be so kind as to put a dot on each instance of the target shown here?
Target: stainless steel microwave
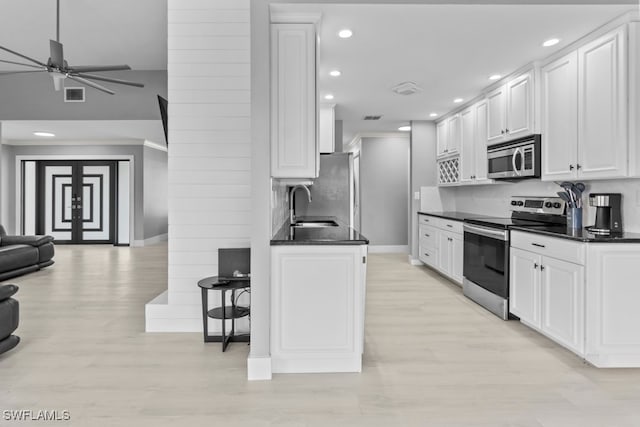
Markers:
(515, 159)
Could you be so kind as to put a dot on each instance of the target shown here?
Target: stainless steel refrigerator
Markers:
(334, 192)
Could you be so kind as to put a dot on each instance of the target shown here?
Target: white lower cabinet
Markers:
(548, 295)
(441, 246)
(562, 303)
(317, 308)
(524, 286)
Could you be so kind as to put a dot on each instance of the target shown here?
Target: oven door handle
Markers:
(487, 232)
(517, 152)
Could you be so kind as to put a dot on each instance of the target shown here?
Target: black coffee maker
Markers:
(608, 213)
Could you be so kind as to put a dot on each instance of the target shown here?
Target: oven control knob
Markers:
(514, 203)
(548, 205)
(556, 205)
(520, 203)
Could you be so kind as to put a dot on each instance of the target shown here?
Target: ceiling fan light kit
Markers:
(59, 69)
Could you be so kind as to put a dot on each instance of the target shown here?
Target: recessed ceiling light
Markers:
(458, 100)
(45, 134)
(334, 73)
(404, 128)
(433, 115)
(345, 34)
(495, 77)
(551, 42)
(328, 96)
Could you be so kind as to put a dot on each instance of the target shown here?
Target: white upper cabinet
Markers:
(634, 99)
(496, 120)
(520, 105)
(468, 140)
(473, 152)
(326, 131)
(560, 118)
(510, 109)
(294, 113)
(584, 112)
(449, 136)
(480, 145)
(602, 107)
(442, 137)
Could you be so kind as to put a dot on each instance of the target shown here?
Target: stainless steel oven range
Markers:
(486, 249)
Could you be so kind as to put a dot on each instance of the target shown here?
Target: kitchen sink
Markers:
(314, 224)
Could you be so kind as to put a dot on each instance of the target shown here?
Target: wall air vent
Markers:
(74, 94)
(372, 117)
(406, 88)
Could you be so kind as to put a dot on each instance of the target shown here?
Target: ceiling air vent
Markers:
(372, 117)
(74, 94)
(406, 88)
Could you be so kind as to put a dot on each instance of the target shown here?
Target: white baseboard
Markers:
(258, 368)
(380, 249)
(414, 261)
(151, 240)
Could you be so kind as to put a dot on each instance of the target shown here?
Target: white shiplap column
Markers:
(209, 150)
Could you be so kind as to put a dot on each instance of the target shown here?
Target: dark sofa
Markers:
(9, 316)
(23, 254)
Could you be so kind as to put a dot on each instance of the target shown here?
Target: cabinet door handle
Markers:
(535, 265)
(449, 225)
(538, 245)
(578, 166)
(426, 254)
(542, 267)
(426, 235)
(502, 131)
(570, 167)
(506, 131)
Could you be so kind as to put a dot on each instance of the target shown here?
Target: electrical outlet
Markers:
(416, 195)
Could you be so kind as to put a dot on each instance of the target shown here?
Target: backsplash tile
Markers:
(493, 199)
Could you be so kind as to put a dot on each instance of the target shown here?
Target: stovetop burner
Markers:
(528, 212)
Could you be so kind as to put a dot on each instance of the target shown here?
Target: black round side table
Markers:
(225, 312)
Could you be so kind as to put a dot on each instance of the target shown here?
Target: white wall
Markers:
(384, 190)
(423, 173)
(156, 206)
(209, 150)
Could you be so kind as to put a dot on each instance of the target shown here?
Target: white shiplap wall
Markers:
(209, 150)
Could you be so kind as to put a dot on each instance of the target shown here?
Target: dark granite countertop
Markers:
(582, 235)
(453, 215)
(340, 235)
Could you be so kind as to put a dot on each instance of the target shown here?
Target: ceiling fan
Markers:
(59, 69)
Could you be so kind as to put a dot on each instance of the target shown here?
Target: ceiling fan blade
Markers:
(107, 79)
(91, 84)
(23, 64)
(57, 54)
(23, 56)
(5, 73)
(92, 68)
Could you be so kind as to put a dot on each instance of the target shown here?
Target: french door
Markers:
(76, 200)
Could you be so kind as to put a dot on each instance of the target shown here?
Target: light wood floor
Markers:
(432, 358)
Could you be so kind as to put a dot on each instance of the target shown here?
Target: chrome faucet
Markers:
(292, 206)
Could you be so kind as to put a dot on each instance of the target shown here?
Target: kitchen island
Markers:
(318, 282)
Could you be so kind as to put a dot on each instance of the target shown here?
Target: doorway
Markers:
(76, 200)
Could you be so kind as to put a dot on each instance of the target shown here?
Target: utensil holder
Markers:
(574, 218)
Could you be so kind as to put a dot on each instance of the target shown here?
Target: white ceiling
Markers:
(96, 32)
(107, 32)
(448, 50)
